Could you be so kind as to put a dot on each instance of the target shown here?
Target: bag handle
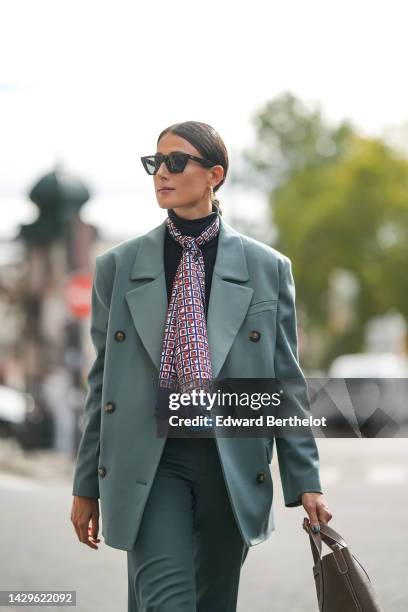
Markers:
(315, 542)
(327, 534)
(316, 546)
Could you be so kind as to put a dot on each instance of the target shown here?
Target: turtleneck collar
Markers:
(192, 227)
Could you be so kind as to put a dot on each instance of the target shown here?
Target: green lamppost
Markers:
(51, 257)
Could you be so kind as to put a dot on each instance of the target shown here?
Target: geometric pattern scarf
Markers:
(185, 359)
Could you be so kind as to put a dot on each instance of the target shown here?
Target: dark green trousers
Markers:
(188, 553)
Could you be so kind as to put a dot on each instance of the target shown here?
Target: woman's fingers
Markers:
(73, 520)
(317, 510)
(324, 513)
(310, 502)
(94, 528)
(85, 518)
(313, 520)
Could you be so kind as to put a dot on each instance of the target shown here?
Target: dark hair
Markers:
(206, 140)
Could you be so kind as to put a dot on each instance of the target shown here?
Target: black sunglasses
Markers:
(175, 161)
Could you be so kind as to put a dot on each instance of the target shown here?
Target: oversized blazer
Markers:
(252, 289)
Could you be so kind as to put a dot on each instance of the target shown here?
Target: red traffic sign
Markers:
(78, 294)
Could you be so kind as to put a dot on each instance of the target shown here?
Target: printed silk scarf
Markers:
(185, 360)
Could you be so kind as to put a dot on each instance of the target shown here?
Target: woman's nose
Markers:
(162, 169)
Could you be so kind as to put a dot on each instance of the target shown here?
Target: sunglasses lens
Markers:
(178, 162)
(150, 164)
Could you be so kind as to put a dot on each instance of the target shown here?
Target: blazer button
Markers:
(102, 471)
(261, 477)
(120, 335)
(110, 407)
(254, 335)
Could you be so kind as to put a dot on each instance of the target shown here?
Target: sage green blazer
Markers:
(252, 289)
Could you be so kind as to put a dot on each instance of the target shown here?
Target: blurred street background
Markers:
(311, 102)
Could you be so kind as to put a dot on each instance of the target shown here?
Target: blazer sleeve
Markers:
(298, 456)
(85, 482)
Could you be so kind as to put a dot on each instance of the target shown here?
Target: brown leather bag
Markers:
(342, 584)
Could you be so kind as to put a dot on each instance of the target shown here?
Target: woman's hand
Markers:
(85, 518)
(317, 510)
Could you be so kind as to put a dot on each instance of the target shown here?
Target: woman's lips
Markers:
(165, 190)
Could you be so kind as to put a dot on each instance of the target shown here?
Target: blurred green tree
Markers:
(337, 200)
(289, 137)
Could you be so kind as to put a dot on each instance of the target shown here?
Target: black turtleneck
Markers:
(173, 250)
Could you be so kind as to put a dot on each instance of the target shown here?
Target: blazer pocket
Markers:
(261, 306)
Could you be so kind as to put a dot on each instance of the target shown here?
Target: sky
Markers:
(90, 85)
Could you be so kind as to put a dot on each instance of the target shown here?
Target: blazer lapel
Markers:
(229, 301)
(148, 300)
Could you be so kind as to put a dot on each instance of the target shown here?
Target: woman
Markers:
(187, 509)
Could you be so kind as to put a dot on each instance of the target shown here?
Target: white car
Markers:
(369, 365)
